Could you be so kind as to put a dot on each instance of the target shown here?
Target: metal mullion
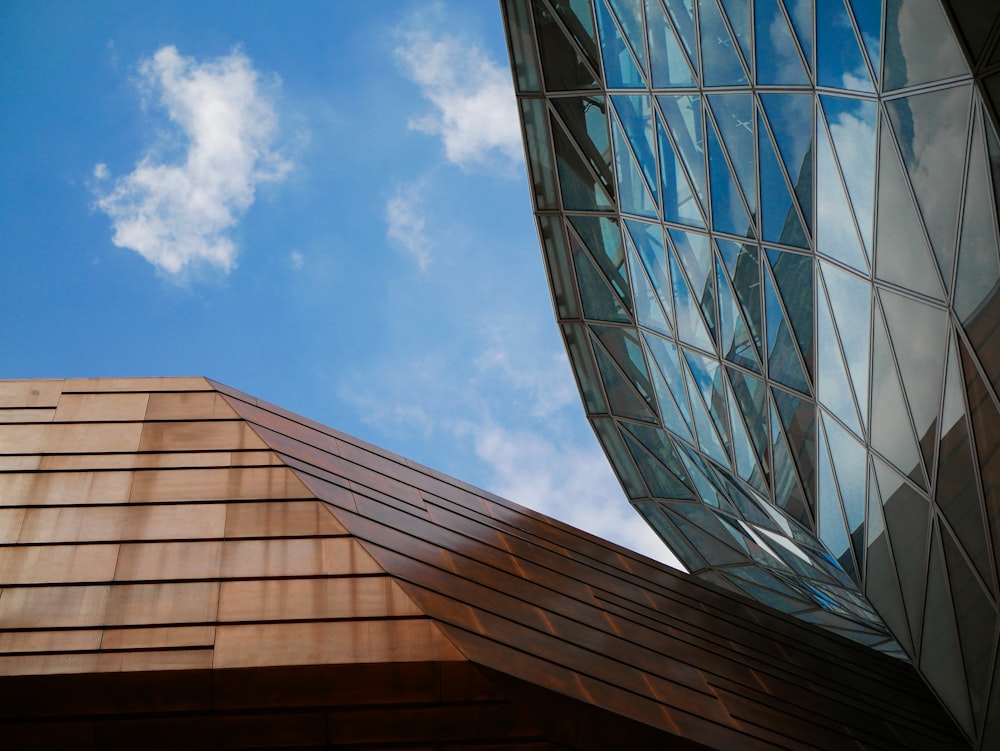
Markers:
(859, 39)
(755, 220)
(739, 311)
(784, 311)
(557, 19)
(554, 114)
(795, 40)
(821, 426)
(572, 233)
(631, 151)
(628, 46)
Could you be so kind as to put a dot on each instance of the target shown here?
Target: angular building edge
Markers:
(183, 564)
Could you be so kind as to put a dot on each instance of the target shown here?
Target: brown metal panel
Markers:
(199, 436)
(429, 725)
(155, 660)
(280, 519)
(56, 438)
(169, 560)
(59, 488)
(313, 599)
(191, 405)
(295, 557)
(49, 663)
(50, 564)
(216, 731)
(331, 642)
(100, 407)
(186, 459)
(53, 607)
(248, 483)
(10, 524)
(158, 638)
(19, 463)
(30, 414)
(157, 383)
(188, 521)
(72, 524)
(161, 603)
(50, 641)
(30, 393)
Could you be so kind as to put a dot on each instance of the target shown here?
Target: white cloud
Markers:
(573, 484)
(475, 112)
(296, 259)
(405, 223)
(176, 214)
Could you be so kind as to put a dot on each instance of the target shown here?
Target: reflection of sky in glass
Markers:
(839, 60)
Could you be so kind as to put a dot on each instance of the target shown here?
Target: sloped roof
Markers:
(157, 527)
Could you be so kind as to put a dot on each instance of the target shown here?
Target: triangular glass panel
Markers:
(670, 413)
(830, 515)
(695, 254)
(744, 270)
(986, 426)
(661, 482)
(682, 15)
(633, 193)
(793, 273)
(836, 235)
(978, 262)
(957, 492)
(723, 66)
(840, 64)
(679, 203)
(622, 344)
(919, 45)
(787, 489)
(585, 119)
(869, 18)
(623, 399)
(891, 430)
(849, 460)
(850, 303)
(599, 301)
(708, 378)
(620, 69)
(783, 363)
(603, 238)
(619, 456)
(977, 621)
(750, 395)
(779, 217)
(657, 442)
(670, 66)
(717, 551)
(734, 114)
(852, 124)
(833, 386)
(708, 439)
(665, 356)
(687, 312)
(667, 531)
(580, 189)
(932, 130)
(728, 210)
(648, 310)
(902, 253)
(734, 339)
(781, 63)
(799, 418)
(683, 116)
(881, 581)
(707, 492)
(747, 466)
(939, 643)
(579, 20)
(629, 14)
(738, 14)
(648, 239)
(636, 116)
(564, 68)
(921, 361)
(801, 14)
(907, 519)
(790, 118)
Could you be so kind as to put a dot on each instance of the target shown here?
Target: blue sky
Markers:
(321, 204)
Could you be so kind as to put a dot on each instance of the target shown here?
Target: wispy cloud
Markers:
(405, 222)
(296, 259)
(475, 112)
(176, 214)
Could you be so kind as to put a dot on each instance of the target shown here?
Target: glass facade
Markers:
(770, 228)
